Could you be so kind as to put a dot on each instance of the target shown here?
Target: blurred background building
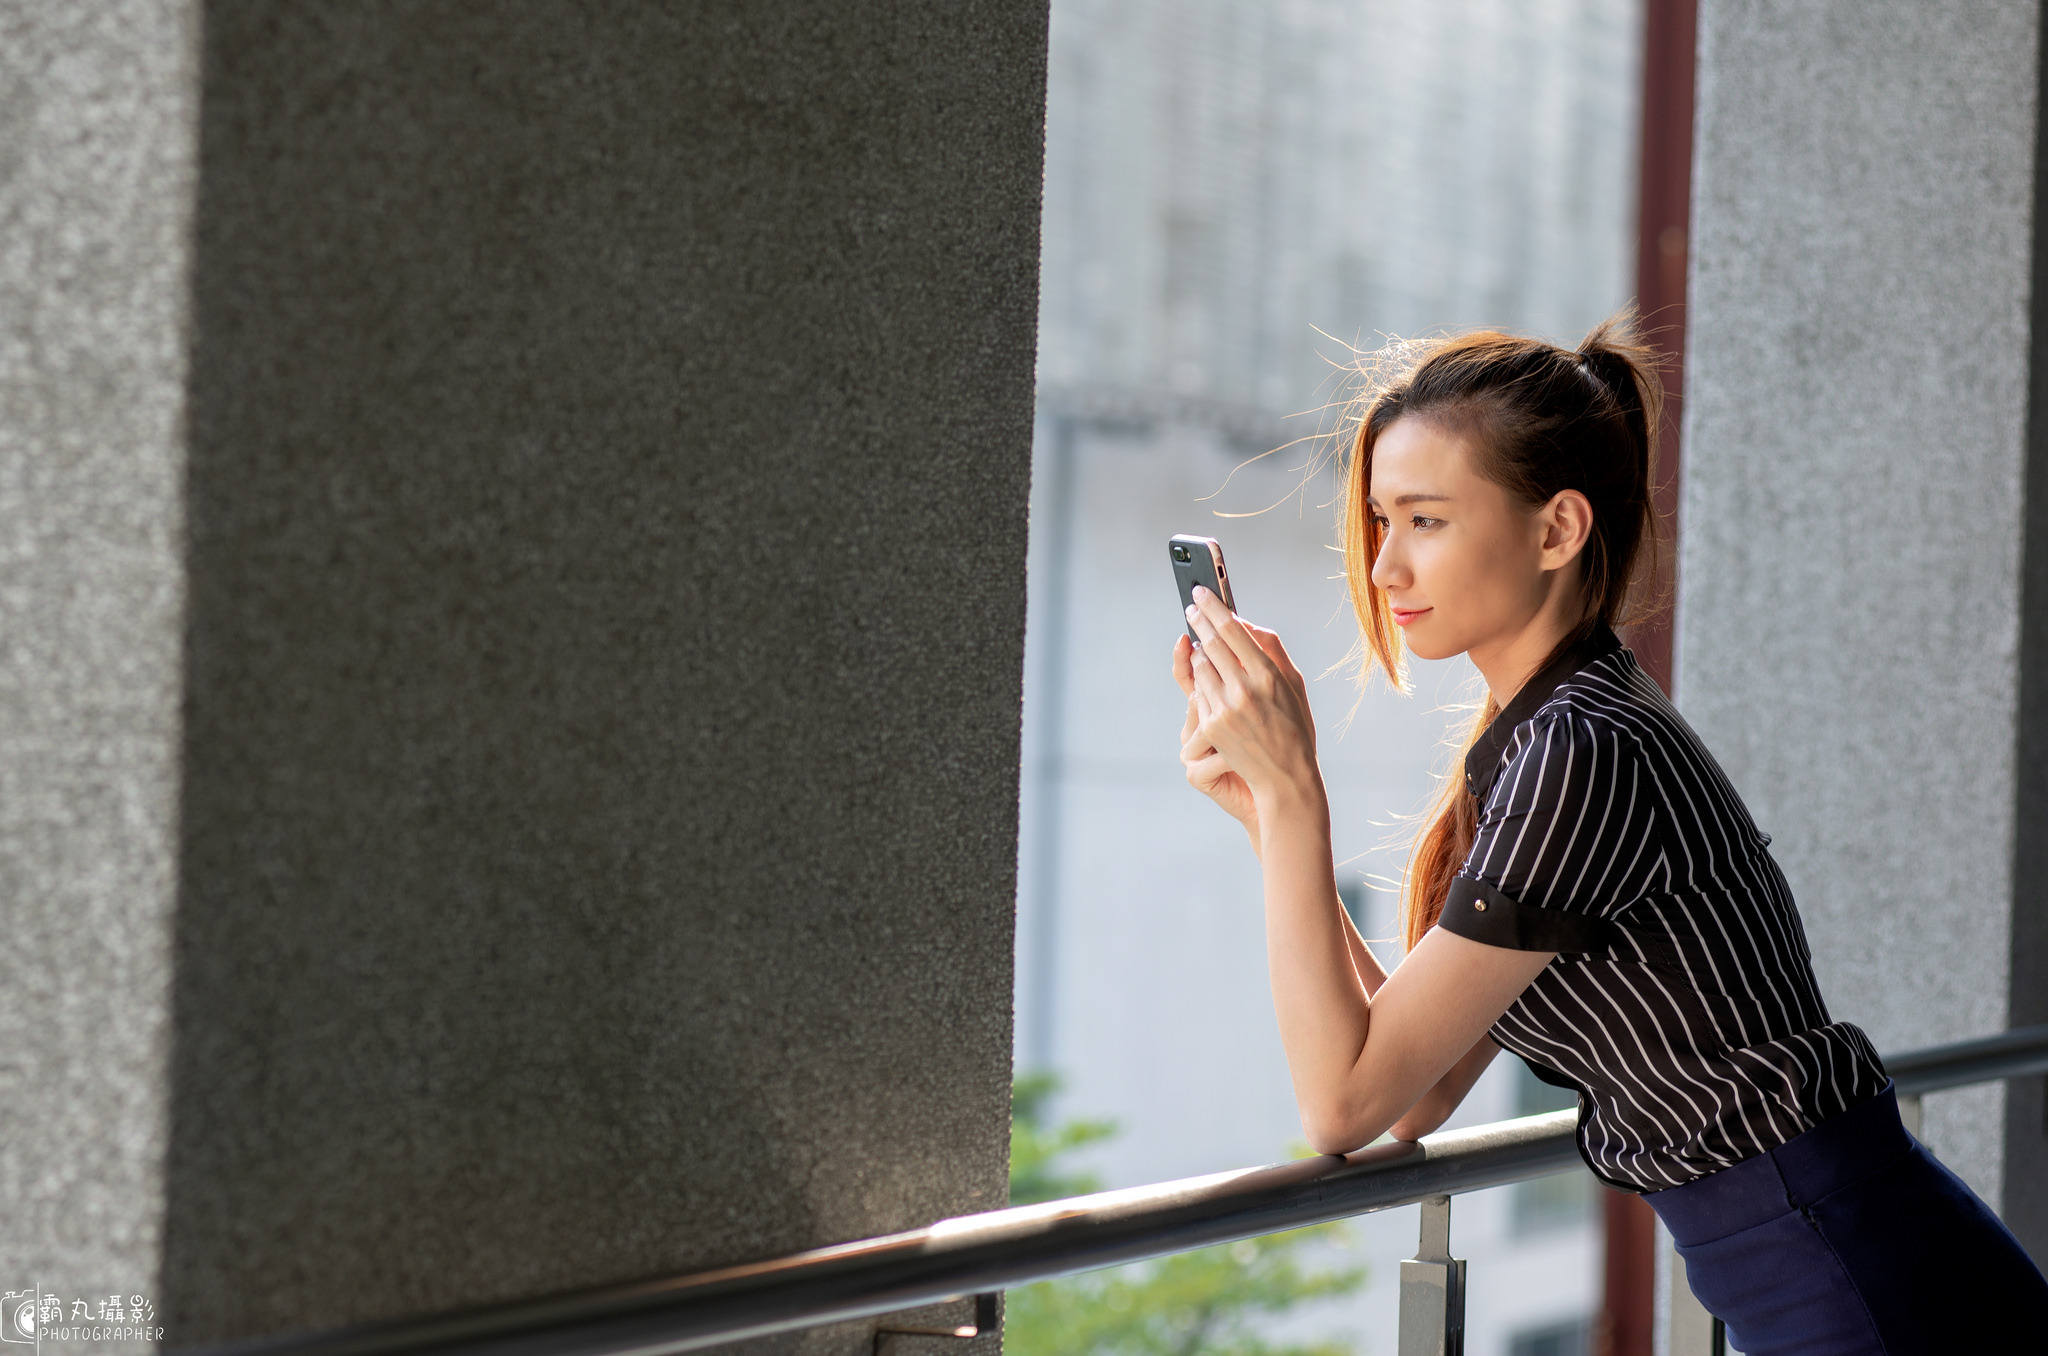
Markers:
(1240, 195)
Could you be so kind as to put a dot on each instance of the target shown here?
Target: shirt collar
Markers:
(1482, 762)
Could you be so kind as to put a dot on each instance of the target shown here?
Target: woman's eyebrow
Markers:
(1401, 500)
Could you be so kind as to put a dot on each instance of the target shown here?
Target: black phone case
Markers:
(1203, 566)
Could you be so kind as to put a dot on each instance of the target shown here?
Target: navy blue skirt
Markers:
(1852, 1238)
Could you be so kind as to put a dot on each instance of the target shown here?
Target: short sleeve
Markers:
(1563, 843)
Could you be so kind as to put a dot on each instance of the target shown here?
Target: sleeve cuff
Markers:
(1479, 912)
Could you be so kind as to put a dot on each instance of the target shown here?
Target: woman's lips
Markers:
(1404, 615)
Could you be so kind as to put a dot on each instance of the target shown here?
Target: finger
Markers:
(1209, 684)
(1228, 630)
(1198, 750)
(1183, 664)
(1269, 641)
(1194, 720)
(1213, 647)
(1204, 773)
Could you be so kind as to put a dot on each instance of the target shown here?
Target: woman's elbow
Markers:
(1342, 1130)
(1335, 1130)
(1324, 1142)
(1420, 1119)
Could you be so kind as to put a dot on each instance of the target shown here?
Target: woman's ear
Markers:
(1567, 526)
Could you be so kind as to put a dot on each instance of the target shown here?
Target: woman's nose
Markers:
(1387, 571)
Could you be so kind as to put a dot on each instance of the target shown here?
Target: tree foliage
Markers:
(1034, 1176)
(1210, 1302)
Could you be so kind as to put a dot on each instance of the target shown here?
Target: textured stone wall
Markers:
(97, 111)
(1856, 415)
(605, 479)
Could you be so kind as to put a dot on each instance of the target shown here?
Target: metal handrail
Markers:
(1988, 1059)
(1004, 1248)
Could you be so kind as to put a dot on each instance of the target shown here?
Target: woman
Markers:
(1591, 894)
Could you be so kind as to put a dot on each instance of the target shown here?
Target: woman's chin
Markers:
(1421, 648)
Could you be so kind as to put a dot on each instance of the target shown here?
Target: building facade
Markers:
(1241, 197)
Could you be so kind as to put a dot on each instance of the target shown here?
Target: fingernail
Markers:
(1191, 612)
(1200, 589)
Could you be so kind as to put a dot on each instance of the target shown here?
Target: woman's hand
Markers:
(1249, 735)
(1206, 769)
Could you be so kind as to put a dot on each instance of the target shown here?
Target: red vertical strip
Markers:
(1664, 210)
(1628, 1307)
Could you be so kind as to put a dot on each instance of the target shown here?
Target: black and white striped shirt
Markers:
(1682, 1005)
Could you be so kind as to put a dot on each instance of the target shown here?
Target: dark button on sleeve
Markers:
(1479, 912)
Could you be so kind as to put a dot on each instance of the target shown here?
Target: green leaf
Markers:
(1034, 1175)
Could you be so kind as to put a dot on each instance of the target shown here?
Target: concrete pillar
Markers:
(98, 112)
(1861, 435)
(512, 532)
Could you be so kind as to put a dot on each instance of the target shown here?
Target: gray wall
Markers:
(96, 155)
(1856, 452)
(606, 432)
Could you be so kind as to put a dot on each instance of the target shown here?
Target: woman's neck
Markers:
(1509, 663)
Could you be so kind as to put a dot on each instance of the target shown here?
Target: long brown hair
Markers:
(1540, 419)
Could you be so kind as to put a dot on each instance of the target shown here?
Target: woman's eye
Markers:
(1422, 523)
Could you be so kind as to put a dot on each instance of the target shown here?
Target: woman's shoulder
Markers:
(1613, 701)
(1565, 754)
(1613, 708)
(1610, 719)
(1598, 709)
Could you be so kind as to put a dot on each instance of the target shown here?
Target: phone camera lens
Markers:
(1182, 554)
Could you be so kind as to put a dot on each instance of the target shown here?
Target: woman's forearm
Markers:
(1435, 1106)
(1364, 1046)
(1320, 988)
(1371, 973)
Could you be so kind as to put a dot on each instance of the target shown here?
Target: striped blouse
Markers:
(1681, 1005)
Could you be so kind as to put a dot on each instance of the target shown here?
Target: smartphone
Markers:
(1199, 560)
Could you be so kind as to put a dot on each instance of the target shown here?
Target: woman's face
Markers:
(1465, 566)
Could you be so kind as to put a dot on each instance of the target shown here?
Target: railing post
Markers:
(907, 1341)
(1433, 1289)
